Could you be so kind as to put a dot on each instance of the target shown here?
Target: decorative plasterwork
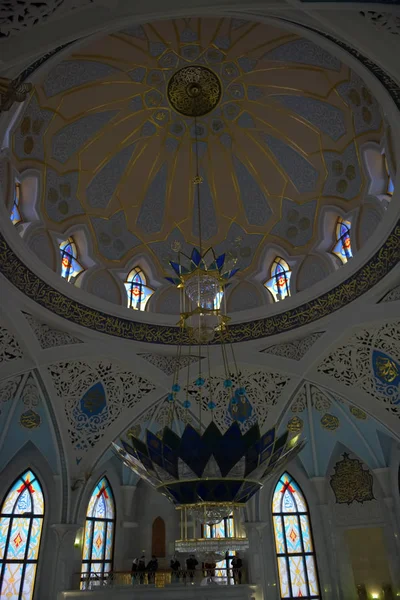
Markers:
(263, 390)
(369, 359)
(259, 148)
(351, 482)
(16, 17)
(296, 349)
(360, 282)
(94, 394)
(9, 347)
(8, 389)
(384, 22)
(393, 295)
(49, 337)
(168, 364)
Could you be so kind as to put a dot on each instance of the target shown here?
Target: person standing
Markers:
(152, 568)
(141, 568)
(175, 566)
(191, 564)
(134, 570)
(237, 564)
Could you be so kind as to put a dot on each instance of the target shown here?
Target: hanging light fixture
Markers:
(207, 474)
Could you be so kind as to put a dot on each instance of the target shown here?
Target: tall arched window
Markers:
(297, 567)
(21, 522)
(137, 291)
(70, 267)
(16, 213)
(158, 538)
(98, 541)
(342, 247)
(279, 284)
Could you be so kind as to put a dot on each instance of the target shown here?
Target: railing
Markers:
(162, 577)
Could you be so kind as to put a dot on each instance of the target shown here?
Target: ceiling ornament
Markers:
(369, 360)
(9, 347)
(49, 337)
(295, 424)
(207, 473)
(393, 295)
(94, 395)
(351, 482)
(194, 91)
(358, 413)
(8, 390)
(168, 364)
(295, 349)
(12, 91)
(329, 422)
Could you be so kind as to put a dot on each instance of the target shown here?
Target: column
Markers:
(67, 562)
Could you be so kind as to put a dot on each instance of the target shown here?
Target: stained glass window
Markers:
(224, 529)
(15, 213)
(297, 565)
(342, 247)
(21, 521)
(279, 284)
(98, 540)
(137, 290)
(70, 267)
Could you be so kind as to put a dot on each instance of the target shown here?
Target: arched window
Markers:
(297, 567)
(21, 522)
(98, 540)
(70, 267)
(137, 290)
(390, 184)
(224, 529)
(15, 213)
(342, 247)
(158, 538)
(279, 284)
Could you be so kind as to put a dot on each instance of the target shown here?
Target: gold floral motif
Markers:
(134, 431)
(358, 413)
(387, 369)
(30, 419)
(350, 482)
(194, 91)
(295, 424)
(197, 179)
(329, 422)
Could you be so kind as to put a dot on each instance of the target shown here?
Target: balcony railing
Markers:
(162, 578)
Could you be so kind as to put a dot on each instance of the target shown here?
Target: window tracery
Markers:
(137, 290)
(294, 545)
(279, 283)
(70, 267)
(98, 540)
(342, 247)
(21, 522)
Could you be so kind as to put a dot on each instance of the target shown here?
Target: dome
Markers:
(280, 154)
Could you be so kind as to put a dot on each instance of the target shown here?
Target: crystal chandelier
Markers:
(206, 473)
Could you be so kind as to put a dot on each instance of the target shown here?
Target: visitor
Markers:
(175, 567)
(237, 569)
(134, 570)
(210, 568)
(191, 564)
(152, 568)
(141, 568)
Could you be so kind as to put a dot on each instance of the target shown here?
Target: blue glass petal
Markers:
(233, 272)
(196, 256)
(220, 261)
(176, 267)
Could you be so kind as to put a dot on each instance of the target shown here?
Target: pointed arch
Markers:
(21, 523)
(158, 538)
(294, 544)
(70, 266)
(138, 292)
(342, 247)
(279, 283)
(98, 540)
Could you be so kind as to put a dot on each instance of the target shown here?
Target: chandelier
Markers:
(208, 474)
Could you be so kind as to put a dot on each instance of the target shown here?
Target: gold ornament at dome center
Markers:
(194, 91)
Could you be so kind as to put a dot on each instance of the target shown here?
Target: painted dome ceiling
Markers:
(115, 157)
